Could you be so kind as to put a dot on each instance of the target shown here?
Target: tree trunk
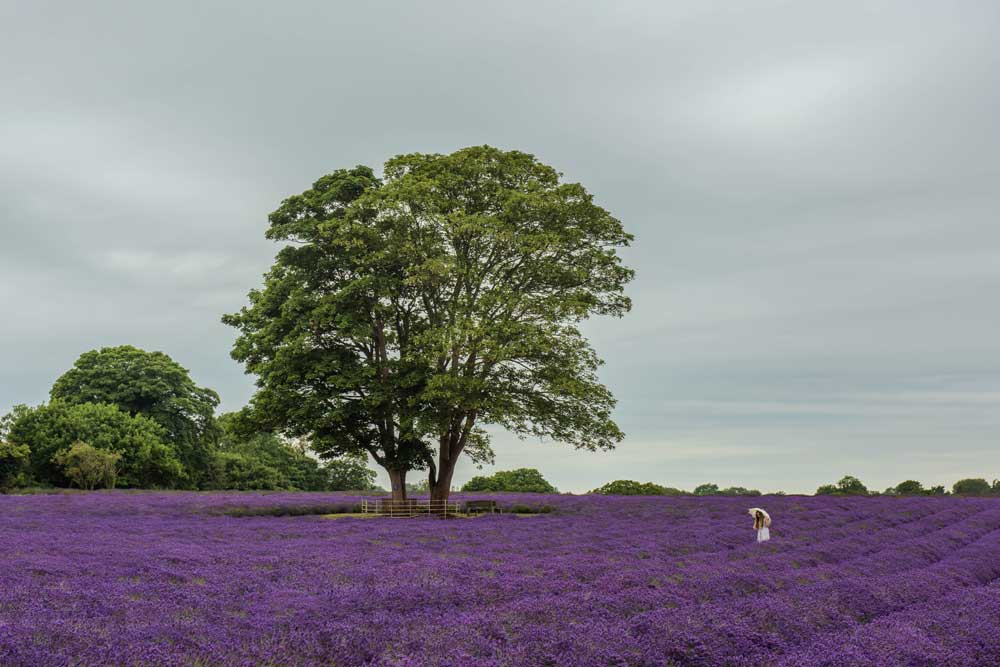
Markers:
(442, 488)
(397, 478)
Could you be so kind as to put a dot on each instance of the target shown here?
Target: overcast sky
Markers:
(814, 188)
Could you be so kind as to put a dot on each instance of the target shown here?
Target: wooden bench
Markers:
(482, 507)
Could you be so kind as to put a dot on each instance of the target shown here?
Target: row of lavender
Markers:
(171, 579)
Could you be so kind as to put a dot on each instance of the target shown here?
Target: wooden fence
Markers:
(408, 508)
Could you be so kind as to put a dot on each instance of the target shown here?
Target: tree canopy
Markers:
(153, 385)
(407, 312)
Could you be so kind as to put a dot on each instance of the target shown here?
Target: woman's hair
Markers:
(758, 519)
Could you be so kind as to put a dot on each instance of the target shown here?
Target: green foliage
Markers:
(706, 489)
(628, 487)
(405, 314)
(521, 480)
(937, 491)
(910, 487)
(351, 473)
(972, 487)
(88, 467)
(847, 486)
(14, 460)
(146, 461)
(153, 385)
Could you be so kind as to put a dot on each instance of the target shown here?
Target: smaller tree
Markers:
(851, 486)
(910, 487)
(628, 487)
(89, 467)
(972, 487)
(847, 486)
(937, 491)
(522, 480)
(708, 489)
(13, 462)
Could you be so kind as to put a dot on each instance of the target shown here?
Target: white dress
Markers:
(763, 534)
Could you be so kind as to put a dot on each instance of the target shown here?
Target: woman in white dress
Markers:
(761, 523)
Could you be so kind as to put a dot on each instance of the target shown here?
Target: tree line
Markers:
(852, 486)
(125, 417)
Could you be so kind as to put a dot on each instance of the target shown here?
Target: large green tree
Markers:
(405, 313)
(155, 386)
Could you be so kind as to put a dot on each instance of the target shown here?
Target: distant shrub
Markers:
(522, 480)
(847, 486)
(972, 487)
(89, 467)
(714, 490)
(628, 487)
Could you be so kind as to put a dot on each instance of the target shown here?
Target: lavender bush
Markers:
(174, 579)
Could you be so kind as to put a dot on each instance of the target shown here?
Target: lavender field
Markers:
(172, 579)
